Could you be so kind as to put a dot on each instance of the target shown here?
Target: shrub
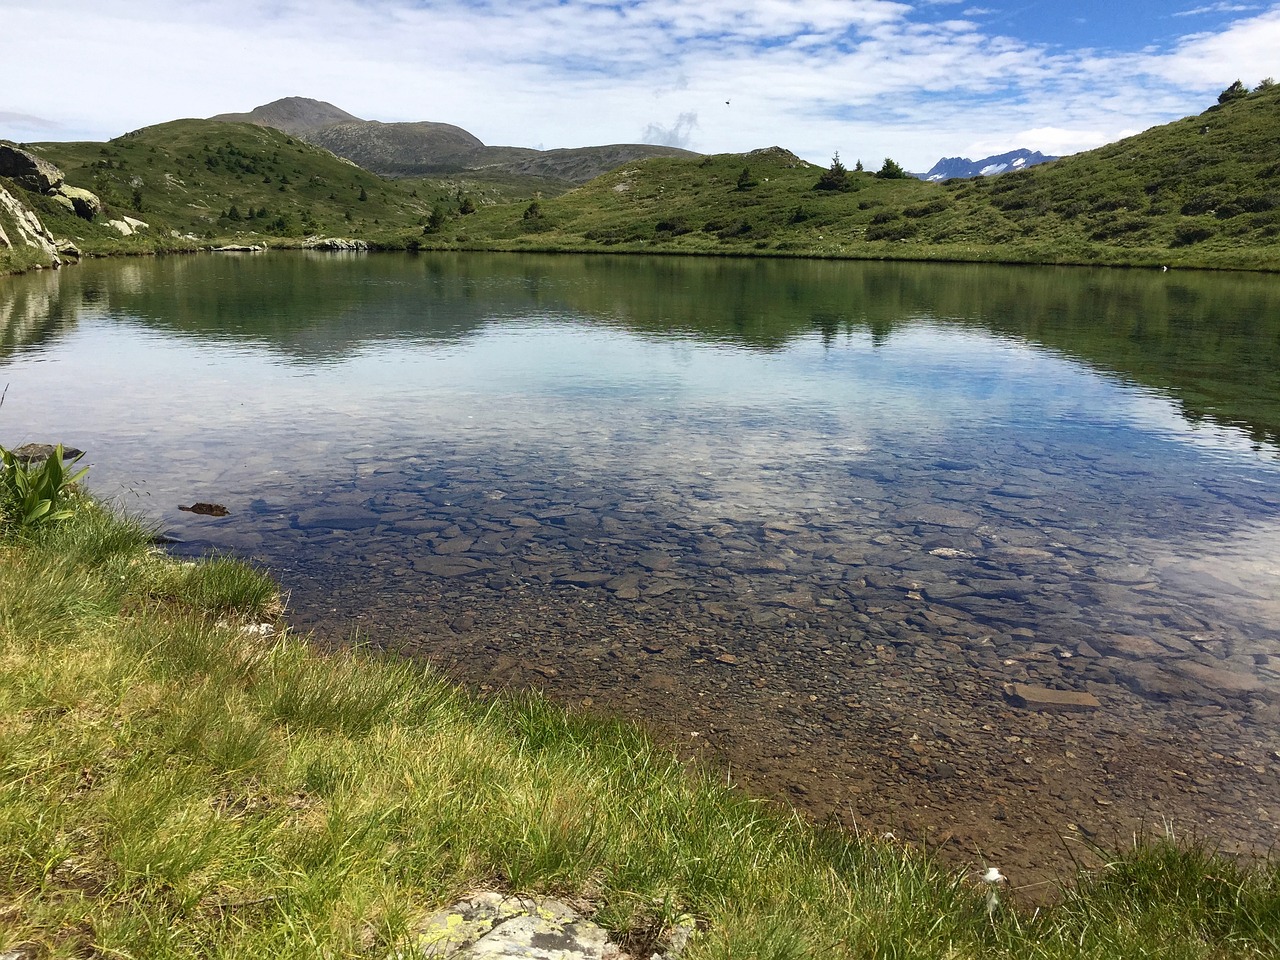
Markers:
(33, 492)
(925, 209)
(1188, 234)
(892, 170)
(896, 230)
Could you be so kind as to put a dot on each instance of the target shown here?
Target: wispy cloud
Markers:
(870, 78)
(1218, 8)
(679, 134)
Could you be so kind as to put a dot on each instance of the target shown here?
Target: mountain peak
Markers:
(949, 168)
(293, 115)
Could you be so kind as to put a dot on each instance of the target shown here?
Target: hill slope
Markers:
(1203, 191)
(425, 148)
(195, 181)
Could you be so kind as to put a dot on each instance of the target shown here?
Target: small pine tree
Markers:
(468, 206)
(533, 211)
(364, 195)
(835, 177)
(1233, 92)
(1266, 83)
(858, 166)
(137, 199)
(744, 179)
(437, 219)
(892, 171)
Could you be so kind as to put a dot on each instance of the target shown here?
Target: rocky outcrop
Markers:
(29, 171)
(128, 226)
(334, 243)
(40, 176)
(26, 227)
(85, 203)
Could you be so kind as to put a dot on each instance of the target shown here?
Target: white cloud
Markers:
(1218, 8)
(871, 78)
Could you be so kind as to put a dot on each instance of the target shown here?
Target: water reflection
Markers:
(818, 514)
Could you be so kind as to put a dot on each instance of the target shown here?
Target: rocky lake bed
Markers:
(959, 666)
(951, 572)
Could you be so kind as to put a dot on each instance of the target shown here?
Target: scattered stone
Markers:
(454, 545)
(207, 509)
(586, 578)
(337, 518)
(1224, 682)
(1044, 698)
(492, 925)
(1129, 646)
(449, 567)
(942, 517)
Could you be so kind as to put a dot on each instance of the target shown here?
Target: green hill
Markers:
(1203, 191)
(199, 183)
(1200, 192)
(227, 182)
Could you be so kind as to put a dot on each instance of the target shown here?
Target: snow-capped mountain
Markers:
(949, 168)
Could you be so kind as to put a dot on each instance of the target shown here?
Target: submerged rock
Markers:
(35, 452)
(207, 509)
(1045, 698)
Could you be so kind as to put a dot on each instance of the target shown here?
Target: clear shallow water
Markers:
(808, 518)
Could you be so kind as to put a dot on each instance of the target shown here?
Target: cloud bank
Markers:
(870, 78)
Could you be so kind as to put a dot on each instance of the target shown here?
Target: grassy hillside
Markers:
(197, 183)
(1200, 192)
(221, 181)
(1203, 191)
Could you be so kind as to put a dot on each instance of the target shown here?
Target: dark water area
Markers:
(839, 529)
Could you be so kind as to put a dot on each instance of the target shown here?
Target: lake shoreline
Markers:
(355, 794)
(1157, 260)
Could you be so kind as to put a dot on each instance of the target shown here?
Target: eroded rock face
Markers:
(28, 170)
(29, 230)
(40, 176)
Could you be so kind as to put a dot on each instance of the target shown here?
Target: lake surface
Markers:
(807, 520)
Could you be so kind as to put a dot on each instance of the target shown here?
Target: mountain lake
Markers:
(986, 557)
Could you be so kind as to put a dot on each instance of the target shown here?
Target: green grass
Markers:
(172, 785)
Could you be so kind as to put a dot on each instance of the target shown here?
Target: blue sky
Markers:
(911, 79)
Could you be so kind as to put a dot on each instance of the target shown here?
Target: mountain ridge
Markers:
(425, 147)
(956, 168)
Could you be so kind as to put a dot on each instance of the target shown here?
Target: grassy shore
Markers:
(176, 781)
